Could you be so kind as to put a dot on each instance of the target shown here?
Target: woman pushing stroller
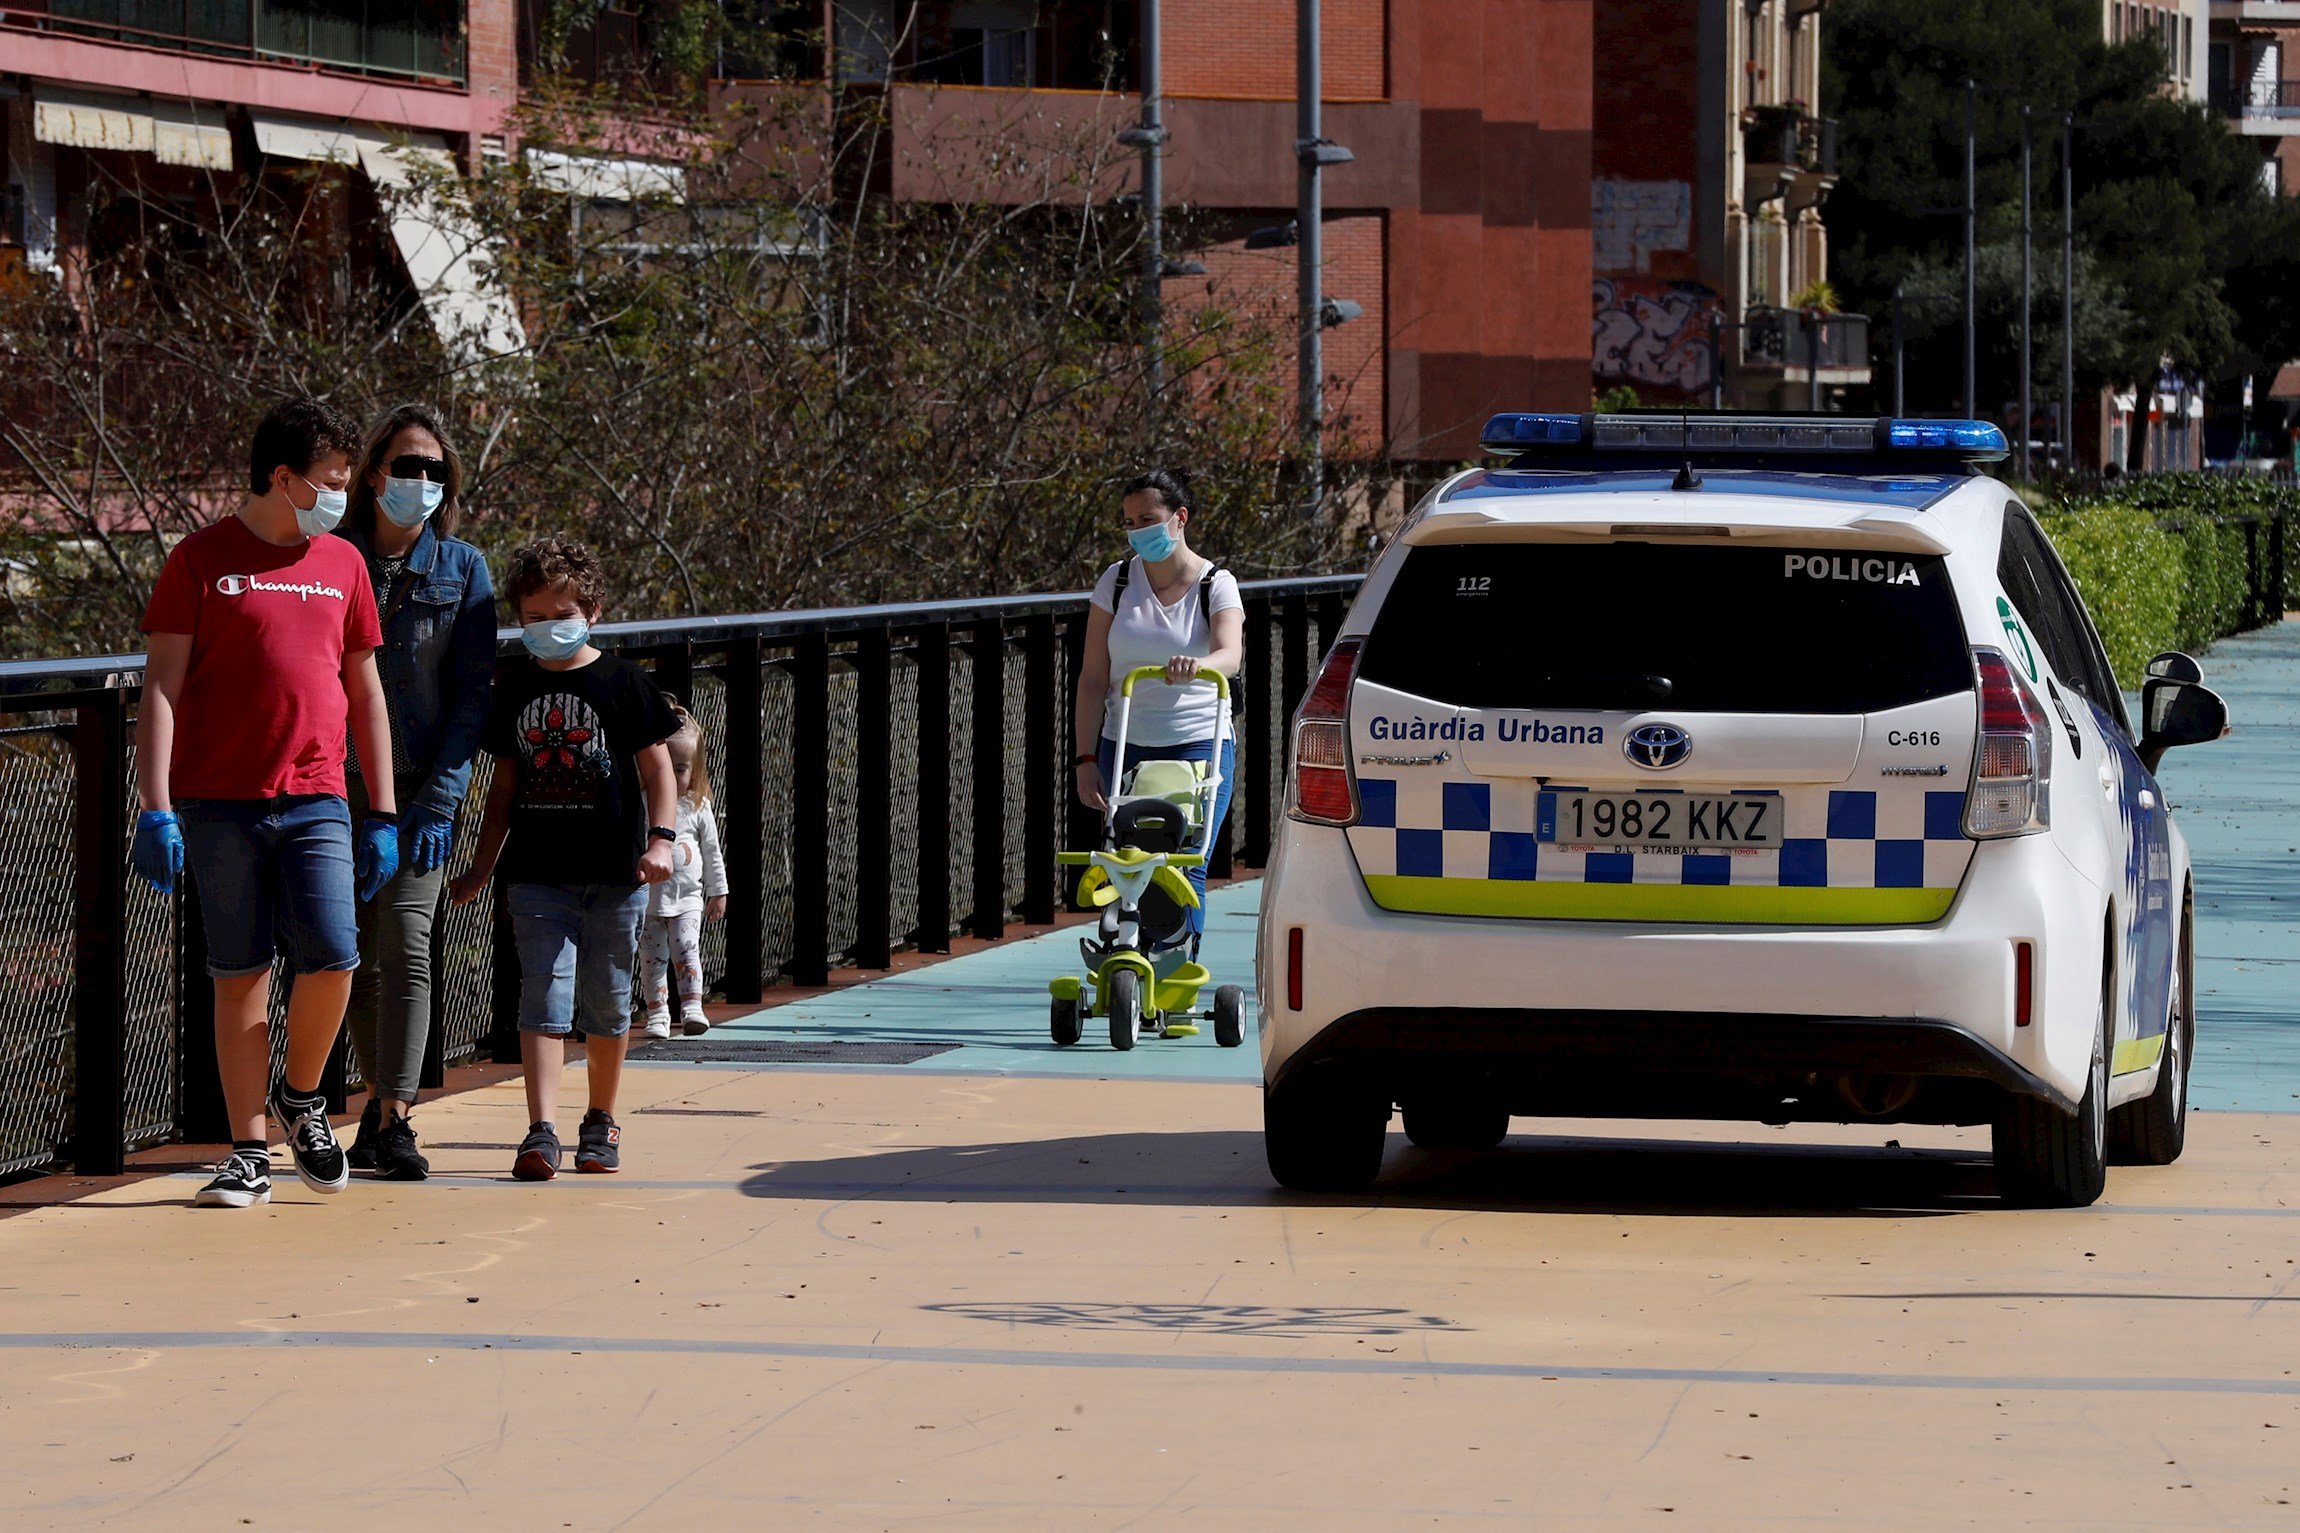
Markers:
(1165, 606)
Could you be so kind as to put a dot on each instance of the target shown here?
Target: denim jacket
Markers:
(438, 664)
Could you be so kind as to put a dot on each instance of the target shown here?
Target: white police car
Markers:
(1774, 775)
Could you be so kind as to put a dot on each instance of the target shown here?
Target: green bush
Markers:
(2165, 562)
(2131, 573)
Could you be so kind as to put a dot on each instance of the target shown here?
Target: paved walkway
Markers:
(1006, 1286)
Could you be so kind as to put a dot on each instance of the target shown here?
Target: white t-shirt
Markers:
(1145, 631)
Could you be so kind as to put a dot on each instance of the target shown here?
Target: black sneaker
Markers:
(598, 1144)
(538, 1155)
(361, 1155)
(311, 1140)
(396, 1157)
(242, 1178)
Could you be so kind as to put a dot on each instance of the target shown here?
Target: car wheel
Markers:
(1456, 1125)
(1064, 1023)
(1125, 1008)
(2154, 1130)
(1229, 1016)
(1323, 1135)
(2046, 1158)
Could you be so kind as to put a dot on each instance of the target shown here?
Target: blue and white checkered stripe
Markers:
(1424, 826)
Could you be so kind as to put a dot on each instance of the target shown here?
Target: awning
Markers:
(2287, 384)
(448, 259)
(172, 132)
(599, 179)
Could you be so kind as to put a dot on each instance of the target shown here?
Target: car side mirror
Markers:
(2172, 665)
(2178, 713)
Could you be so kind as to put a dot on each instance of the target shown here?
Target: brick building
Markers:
(1461, 228)
(1710, 168)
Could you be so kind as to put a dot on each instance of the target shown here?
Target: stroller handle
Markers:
(1220, 682)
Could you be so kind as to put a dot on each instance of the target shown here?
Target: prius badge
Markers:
(1657, 747)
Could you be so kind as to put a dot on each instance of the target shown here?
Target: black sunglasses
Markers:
(414, 465)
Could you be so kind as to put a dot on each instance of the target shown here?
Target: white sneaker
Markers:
(694, 1023)
(659, 1027)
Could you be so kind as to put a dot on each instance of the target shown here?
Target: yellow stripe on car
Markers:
(1750, 905)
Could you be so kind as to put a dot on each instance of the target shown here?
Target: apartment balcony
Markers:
(2263, 108)
(421, 43)
(1800, 346)
(1785, 153)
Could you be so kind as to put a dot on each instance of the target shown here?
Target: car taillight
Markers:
(1323, 789)
(2012, 766)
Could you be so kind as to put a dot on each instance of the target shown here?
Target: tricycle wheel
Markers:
(1064, 1023)
(1125, 1008)
(1230, 1016)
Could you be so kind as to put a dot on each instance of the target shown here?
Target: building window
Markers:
(2187, 45)
(2272, 176)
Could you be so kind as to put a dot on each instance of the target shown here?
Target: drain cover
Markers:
(710, 1049)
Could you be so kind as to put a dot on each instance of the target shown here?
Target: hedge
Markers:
(2162, 561)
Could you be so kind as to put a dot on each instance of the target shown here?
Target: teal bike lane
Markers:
(2238, 802)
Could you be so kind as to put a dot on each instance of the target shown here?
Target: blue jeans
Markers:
(1195, 750)
(576, 946)
(273, 873)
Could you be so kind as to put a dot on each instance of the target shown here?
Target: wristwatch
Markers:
(662, 833)
(1085, 758)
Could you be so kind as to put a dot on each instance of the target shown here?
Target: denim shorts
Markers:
(576, 946)
(273, 874)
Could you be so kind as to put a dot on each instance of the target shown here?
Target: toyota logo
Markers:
(1657, 747)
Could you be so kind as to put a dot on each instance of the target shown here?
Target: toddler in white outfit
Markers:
(695, 892)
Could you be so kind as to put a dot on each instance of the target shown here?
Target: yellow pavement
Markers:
(847, 1299)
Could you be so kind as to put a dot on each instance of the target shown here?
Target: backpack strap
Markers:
(1206, 598)
(1125, 569)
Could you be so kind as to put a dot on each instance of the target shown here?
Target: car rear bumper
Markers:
(1746, 1007)
(1741, 1066)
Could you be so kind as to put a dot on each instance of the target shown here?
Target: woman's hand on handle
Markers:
(1089, 781)
(1181, 669)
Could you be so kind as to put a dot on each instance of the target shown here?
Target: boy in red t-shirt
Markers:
(261, 634)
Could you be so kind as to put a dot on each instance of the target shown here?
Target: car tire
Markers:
(1456, 1125)
(1230, 1016)
(1125, 1005)
(2047, 1158)
(1064, 1022)
(2154, 1130)
(1323, 1135)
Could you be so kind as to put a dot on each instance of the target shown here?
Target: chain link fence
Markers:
(164, 1076)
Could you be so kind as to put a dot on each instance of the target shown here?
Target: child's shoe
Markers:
(538, 1154)
(311, 1139)
(598, 1144)
(694, 1023)
(243, 1179)
(658, 1024)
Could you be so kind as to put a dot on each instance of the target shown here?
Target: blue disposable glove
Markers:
(427, 836)
(376, 858)
(158, 854)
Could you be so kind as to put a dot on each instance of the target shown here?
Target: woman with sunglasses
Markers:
(437, 659)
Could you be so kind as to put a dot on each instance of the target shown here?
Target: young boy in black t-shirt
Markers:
(584, 791)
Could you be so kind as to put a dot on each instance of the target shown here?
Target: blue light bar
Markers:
(1510, 433)
(1531, 435)
(1977, 440)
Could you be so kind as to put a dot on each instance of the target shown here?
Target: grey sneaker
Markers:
(243, 1178)
(598, 1144)
(319, 1160)
(538, 1155)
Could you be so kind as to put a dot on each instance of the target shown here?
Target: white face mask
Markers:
(323, 513)
(410, 502)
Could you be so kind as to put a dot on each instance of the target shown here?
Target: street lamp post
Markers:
(1972, 90)
(2067, 291)
(2026, 232)
(1313, 152)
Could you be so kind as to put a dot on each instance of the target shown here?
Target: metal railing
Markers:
(354, 36)
(2257, 98)
(1800, 340)
(886, 777)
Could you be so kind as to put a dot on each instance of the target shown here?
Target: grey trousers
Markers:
(390, 1012)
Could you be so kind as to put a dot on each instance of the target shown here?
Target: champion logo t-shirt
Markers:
(574, 737)
(262, 709)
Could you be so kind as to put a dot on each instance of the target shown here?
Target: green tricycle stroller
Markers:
(1142, 969)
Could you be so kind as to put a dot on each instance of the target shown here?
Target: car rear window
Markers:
(1642, 625)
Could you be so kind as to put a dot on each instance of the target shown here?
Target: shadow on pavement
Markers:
(1531, 1174)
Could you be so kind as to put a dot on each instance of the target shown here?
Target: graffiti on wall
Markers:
(1650, 334)
(1630, 220)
